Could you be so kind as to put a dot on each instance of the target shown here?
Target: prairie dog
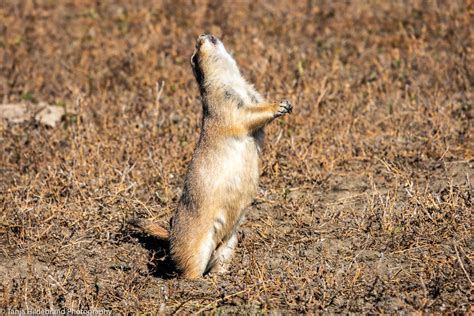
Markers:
(222, 177)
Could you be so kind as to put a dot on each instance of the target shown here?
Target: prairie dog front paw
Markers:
(283, 108)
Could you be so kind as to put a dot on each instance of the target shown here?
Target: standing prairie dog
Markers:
(222, 177)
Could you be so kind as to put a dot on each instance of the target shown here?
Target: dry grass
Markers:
(366, 192)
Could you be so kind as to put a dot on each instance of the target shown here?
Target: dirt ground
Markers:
(366, 188)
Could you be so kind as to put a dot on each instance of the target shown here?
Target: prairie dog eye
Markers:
(213, 39)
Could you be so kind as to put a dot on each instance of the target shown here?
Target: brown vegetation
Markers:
(366, 192)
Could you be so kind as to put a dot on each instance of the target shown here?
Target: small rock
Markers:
(50, 115)
(14, 113)
(175, 118)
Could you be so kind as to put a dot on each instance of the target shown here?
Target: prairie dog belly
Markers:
(230, 174)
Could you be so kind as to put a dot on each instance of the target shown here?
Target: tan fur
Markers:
(151, 228)
(222, 177)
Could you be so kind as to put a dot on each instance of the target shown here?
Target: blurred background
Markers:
(366, 189)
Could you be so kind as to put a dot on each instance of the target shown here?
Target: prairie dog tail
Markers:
(151, 228)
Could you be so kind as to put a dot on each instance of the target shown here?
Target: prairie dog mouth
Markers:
(200, 41)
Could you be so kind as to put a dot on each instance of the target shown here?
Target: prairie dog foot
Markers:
(221, 259)
(284, 108)
(219, 268)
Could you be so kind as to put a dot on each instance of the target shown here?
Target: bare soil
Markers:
(366, 190)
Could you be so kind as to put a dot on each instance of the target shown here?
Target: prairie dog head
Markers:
(212, 64)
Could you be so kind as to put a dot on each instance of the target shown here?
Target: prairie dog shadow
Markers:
(160, 264)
